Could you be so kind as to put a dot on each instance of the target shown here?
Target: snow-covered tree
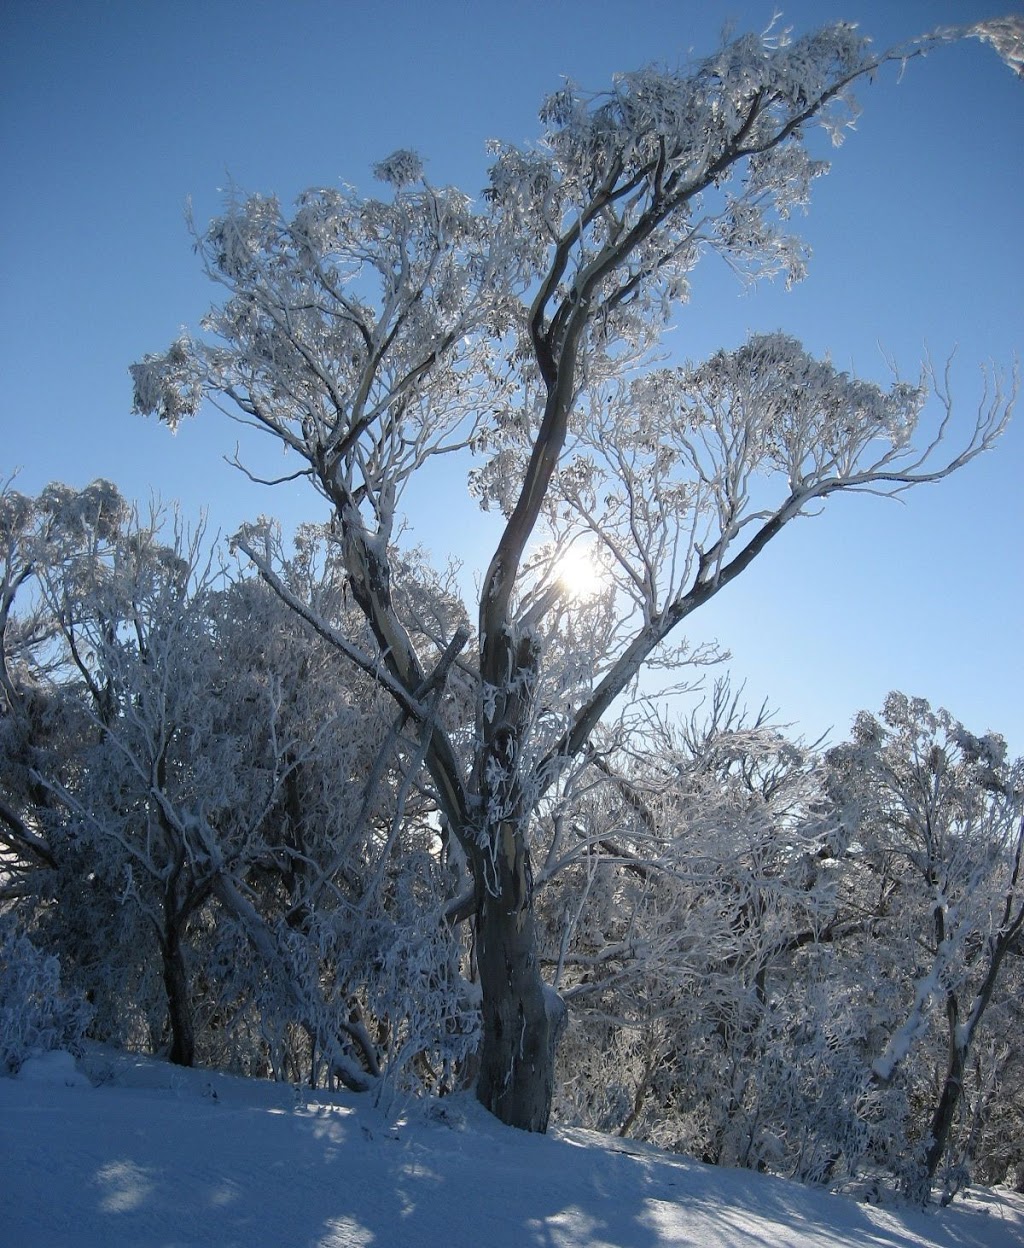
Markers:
(371, 336)
(212, 821)
(64, 529)
(36, 1014)
(706, 879)
(806, 967)
(938, 817)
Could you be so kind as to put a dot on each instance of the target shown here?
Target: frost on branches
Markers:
(370, 336)
(810, 966)
(939, 814)
(228, 840)
(211, 826)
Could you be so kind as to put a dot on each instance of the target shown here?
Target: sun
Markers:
(578, 573)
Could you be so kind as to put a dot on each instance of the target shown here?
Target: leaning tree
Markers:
(371, 336)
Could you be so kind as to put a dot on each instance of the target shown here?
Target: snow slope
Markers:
(156, 1157)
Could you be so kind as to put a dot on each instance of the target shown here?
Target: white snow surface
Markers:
(144, 1154)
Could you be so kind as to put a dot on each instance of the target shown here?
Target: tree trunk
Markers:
(960, 1038)
(522, 1018)
(183, 1041)
(517, 1060)
(945, 1110)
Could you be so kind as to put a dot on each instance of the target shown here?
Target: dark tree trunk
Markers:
(522, 1018)
(183, 1041)
(945, 1110)
(517, 1059)
(960, 1038)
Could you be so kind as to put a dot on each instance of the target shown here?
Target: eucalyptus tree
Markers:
(59, 533)
(683, 938)
(143, 784)
(130, 780)
(372, 336)
(215, 828)
(74, 589)
(938, 816)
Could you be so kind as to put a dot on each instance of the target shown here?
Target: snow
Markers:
(57, 1068)
(121, 1150)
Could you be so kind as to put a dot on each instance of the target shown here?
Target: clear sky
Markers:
(113, 114)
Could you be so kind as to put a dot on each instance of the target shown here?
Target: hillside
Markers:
(122, 1150)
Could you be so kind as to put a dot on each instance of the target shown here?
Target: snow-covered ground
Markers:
(123, 1150)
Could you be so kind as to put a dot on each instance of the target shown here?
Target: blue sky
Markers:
(113, 114)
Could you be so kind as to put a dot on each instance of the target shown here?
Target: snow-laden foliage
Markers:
(234, 848)
(369, 336)
(36, 1014)
(400, 168)
(212, 826)
(663, 146)
(1006, 35)
(763, 987)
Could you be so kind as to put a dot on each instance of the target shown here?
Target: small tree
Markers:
(939, 815)
(372, 336)
(696, 884)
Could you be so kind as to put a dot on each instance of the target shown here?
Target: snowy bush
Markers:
(414, 987)
(36, 1015)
